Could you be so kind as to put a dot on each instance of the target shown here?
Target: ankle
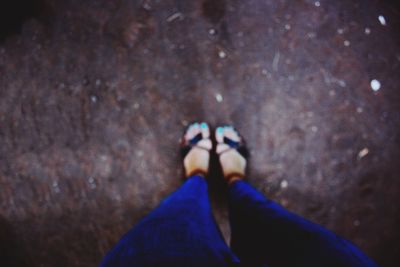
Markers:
(233, 178)
(196, 162)
(196, 172)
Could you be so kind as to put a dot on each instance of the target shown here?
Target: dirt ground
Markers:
(94, 96)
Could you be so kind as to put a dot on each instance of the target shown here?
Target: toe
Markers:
(219, 134)
(231, 133)
(205, 130)
(192, 131)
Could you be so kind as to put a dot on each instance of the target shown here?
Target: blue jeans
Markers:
(183, 232)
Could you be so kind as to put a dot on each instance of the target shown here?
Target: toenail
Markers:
(203, 125)
(220, 130)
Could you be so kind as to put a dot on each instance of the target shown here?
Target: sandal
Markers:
(195, 139)
(231, 144)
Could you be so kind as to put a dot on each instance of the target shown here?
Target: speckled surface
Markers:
(94, 96)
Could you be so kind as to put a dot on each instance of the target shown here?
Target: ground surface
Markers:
(94, 96)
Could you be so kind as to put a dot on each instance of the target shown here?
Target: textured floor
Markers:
(94, 96)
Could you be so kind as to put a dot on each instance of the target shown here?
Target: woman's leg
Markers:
(180, 232)
(265, 234)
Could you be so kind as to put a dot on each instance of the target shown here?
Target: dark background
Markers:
(94, 96)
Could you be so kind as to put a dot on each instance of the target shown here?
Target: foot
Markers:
(231, 151)
(196, 146)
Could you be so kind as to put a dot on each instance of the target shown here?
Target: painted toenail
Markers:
(220, 130)
(203, 125)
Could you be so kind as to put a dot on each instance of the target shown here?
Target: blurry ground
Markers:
(94, 96)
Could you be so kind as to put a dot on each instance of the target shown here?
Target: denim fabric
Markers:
(182, 232)
(264, 233)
